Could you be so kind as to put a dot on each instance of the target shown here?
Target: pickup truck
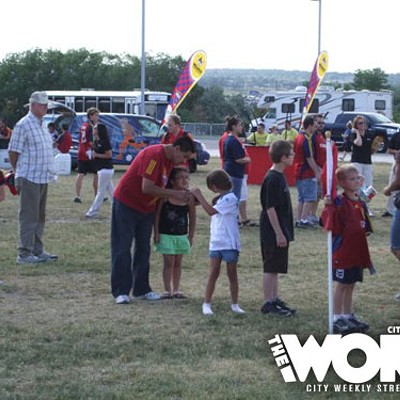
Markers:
(378, 125)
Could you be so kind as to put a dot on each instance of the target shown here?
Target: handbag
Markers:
(396, 200)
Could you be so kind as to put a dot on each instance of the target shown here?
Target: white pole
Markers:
(329, 177)
(143, 64)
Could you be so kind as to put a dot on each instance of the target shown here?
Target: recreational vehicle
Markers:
(282, 105)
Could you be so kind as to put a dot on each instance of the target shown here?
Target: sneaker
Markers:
(45, 256)
(77, 200)
(305, 224)
(274, 308)
(359, 325)
(397, 297)
(122, 299)
(236, 309)
(343, 327)
(207, 309)
(31, 259)
(152, 296)
(386, 214)
(283, 305)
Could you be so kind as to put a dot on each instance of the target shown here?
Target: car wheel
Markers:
(192, 166)
(383, 147)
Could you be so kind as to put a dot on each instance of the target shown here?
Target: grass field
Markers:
(63, 337)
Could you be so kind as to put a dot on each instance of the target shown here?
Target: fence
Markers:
(202, 129)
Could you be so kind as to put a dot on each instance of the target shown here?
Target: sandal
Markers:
(249, 222)
(179, 295)
(167, 295)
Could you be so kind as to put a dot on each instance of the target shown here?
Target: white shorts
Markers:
(244, 194)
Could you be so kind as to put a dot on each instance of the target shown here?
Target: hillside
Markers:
(247, 80)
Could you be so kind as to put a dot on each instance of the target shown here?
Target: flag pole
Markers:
(329, 178)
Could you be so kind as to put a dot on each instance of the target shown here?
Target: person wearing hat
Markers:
(31, 157)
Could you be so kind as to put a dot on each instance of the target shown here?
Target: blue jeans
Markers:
(236, 186)
(395, 231)
(127, 225)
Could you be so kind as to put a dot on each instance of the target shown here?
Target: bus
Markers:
(126, 102)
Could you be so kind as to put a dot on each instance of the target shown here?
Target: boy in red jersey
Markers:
(85, 160)
(350, 227)
(133, 212)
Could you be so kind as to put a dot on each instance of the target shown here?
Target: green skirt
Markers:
(173, 244)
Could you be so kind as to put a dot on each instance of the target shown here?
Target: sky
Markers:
(259, 34)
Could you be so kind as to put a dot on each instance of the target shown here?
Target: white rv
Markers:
(282, 105)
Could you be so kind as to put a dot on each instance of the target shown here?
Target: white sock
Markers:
(236, 309)
(207, 309)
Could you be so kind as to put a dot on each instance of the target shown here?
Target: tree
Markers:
(371, 79)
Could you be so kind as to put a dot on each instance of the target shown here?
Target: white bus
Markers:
(113, 101)
(288, 104)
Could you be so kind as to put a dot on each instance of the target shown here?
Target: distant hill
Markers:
(261, 80)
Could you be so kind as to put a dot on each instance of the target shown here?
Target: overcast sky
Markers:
(262, 34)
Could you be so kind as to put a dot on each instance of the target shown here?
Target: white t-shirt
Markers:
(224, 228)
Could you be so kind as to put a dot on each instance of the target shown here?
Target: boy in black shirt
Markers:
(276, 226)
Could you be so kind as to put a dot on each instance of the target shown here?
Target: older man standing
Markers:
(31, 157)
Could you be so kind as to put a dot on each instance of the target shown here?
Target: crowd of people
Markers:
(154, 192)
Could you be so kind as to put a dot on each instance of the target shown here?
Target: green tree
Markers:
(371, 79)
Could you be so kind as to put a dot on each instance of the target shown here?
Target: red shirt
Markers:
(221, 147)
(304, 147)
(85, 141)
(320, 156)
(151, 163)
(170, 138)
(350, 225)
(64, 142)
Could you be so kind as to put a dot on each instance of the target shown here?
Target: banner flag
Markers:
(317, 74)
(190, 75)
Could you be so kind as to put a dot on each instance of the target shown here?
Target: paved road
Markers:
(212, 147)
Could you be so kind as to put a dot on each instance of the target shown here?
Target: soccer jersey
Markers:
(304, 147)
(350, 226)
(170, 138)
(224, 228)
(85, 141)
(151, 163)
(64, 142)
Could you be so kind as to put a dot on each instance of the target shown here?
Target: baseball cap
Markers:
(39, 97)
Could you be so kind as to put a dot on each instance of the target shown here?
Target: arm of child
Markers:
(157, 221)
(208, 208)
(192, 219)
(280, 237)
(151, 189)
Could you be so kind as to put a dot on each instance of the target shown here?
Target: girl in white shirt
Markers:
(224, 236)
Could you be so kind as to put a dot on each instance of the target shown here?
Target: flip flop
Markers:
(167, 295)
(179, 295)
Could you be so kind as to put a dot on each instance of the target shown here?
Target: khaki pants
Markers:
(31, 216)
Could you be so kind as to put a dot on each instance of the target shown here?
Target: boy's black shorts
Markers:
(348, 275)
(275, 259)
(87, 166)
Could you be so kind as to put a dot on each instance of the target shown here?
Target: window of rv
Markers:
(270, 114)
(314, 109)
(348, 105)
(380, 105)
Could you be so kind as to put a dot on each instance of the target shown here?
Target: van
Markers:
(128, 133)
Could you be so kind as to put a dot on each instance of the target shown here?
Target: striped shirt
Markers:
(32, 141)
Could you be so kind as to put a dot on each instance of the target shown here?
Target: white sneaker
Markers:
(122, 299)
(207, 309)
(236, 309)
(152, 296)
(397, 297)
(31, 259)
(45, 256)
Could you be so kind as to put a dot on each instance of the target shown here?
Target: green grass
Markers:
(62, 336)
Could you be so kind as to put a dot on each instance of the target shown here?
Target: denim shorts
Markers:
(307, 190)
(225, 255)
(395, 231)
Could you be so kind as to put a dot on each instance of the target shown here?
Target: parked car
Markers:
(129, 134)
(378, 125)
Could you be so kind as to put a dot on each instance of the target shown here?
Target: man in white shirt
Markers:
(31, 157)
